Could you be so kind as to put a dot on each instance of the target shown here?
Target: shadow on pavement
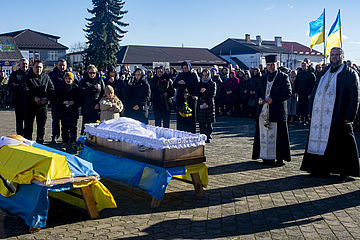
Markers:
(250, 223)
(237, 167)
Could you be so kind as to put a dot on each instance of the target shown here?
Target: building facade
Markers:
(38, 46)
(249, 53)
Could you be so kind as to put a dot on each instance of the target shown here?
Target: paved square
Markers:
(245, 199)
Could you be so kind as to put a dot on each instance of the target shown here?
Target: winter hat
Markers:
(109, 89)
(69, 75)
(186, 63)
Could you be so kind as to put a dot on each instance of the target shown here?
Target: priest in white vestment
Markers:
(271, 141)
(331, 146)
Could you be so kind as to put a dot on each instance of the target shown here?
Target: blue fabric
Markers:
(150, 178)
(78, 166)
(31, 203)
(317, 26)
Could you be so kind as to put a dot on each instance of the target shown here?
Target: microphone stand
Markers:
(8, 184)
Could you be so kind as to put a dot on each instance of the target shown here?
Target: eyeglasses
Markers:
(92, 73)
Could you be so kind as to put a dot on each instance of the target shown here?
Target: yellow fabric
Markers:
(316, 39)
(200, 168)
(21, 164)
(102, 196)
(334, 40)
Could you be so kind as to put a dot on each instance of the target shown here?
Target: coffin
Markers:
(155, 145)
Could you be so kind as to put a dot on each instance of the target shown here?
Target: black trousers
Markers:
(20, 118)
(206, 128)
(69, 129)
(162, 116)
(56, 117)
(41, 114)
(303, 107)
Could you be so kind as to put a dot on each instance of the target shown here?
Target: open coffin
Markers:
(155, 145)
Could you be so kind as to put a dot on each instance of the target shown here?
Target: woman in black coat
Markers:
(138, 97)
(91, 91)
(206, 104)
(113, 80)
(162, 91)
(186, 99)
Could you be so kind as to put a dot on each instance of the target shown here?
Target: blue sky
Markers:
(193, 23)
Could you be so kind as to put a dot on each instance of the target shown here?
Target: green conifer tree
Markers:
(103, 32)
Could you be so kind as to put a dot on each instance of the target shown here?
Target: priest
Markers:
(334, 101)
(271, 141)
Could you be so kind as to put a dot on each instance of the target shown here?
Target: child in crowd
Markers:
(69, 98)
(110, 105)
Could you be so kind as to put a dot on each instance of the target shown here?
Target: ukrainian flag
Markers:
(334, 37)
(317, 30)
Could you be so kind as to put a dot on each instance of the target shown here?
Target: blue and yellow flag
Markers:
(317, 31)
(334, 37)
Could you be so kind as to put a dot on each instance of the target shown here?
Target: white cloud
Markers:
(355, 43)
(344, 36)
(268, 8)
(290, 5)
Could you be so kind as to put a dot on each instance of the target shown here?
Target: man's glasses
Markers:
(91, 73)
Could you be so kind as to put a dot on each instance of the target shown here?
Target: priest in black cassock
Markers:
(334, 101)
(271, 141)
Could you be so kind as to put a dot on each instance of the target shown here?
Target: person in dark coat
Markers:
(231, 88)
(125, 74)
(57, 78)
(68, 97)
(16, 91)
(271, 141)
(243, 94)
(92, 89)
(206, 104)
(220, 93)
(186, 99)
(331, 146)
(162, 91)
(253, 85)
(138, 94)
(38, 89)
(116, 83)
(303, 86)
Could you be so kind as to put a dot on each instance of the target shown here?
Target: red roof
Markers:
(296, 48)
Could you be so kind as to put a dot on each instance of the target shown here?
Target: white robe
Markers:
(267, 134)
(322, 113)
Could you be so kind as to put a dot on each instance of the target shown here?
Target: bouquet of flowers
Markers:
(185, 110)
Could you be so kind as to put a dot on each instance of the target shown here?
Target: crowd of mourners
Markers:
(196, 95)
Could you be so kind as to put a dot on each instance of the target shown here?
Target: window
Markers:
(53, 55)
(34, 55)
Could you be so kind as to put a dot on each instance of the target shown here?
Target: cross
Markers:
(263, 136)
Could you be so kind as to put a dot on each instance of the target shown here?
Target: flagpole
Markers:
(340, 29)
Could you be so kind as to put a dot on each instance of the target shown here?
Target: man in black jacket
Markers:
(38, 89)
(271, 141)
(57, 78)
(334, 102)
(17, 92)
(303, 86)
(162, 91)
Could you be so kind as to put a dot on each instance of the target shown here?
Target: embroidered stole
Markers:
(322, 112)
(267, 129)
